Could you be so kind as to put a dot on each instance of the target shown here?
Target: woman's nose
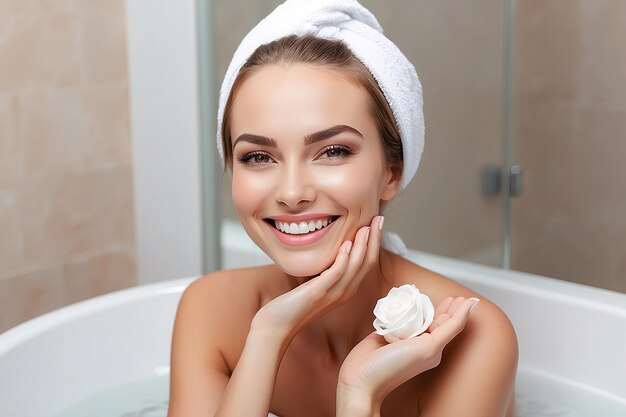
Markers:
(294, 187)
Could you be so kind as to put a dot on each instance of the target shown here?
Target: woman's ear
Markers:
(392, 184)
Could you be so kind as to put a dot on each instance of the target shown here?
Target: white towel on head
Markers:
(349, 21)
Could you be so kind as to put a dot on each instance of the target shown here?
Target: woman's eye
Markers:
(337, 151)
(255, 158)
(262, 158)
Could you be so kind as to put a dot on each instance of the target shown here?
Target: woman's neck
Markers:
(339, 330)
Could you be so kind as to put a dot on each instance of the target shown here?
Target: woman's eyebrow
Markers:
(327, 133)
(308, 139)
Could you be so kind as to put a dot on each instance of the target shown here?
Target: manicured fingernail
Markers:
(367, 234)
(348, 246)
(476, 301)
(380, 222)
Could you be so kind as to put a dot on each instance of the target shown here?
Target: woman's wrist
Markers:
(269, 336)
(356, 403)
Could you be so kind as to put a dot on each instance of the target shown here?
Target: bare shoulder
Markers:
(226, 289)
(227, 301)
(479, 365)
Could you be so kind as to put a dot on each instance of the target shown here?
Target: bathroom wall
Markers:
(66, 208)
(570, 133)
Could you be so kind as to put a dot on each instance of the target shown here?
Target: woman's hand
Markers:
(374, 368)
(290, 312)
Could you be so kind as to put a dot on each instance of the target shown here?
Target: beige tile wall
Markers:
(570, 137)
(66, 214)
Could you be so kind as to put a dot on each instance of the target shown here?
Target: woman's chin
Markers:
(299, 267)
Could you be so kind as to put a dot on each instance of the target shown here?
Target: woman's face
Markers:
(306, 154)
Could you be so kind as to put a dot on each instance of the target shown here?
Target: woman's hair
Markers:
(334, 54)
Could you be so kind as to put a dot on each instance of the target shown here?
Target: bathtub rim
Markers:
(24, 331)
(609, 301)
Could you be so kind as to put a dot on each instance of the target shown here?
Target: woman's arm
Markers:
(251, 386)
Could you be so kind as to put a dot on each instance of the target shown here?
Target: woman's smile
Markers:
(301, 233)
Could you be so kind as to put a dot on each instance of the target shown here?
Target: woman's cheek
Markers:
(247, 190)
(354, 186)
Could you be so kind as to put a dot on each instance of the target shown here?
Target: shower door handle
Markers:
(492, 180)
(516, 180)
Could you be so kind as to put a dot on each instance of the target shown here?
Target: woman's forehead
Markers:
(299, 95)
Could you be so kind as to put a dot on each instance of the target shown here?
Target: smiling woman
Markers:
(317, 154)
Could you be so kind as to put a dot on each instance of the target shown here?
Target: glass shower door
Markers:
(569, 135)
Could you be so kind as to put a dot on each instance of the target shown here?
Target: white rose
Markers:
(403, 313)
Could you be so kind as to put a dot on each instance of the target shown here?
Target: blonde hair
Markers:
(333, 54)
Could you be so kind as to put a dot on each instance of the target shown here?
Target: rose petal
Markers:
(380, 311)
(404, 315)
(398, 303)
(429, 315)
(406, 329)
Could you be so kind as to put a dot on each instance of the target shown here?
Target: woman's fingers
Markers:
(452, 321)
(342, 272)
(455, 305)
(441, 313)
(358, 251)
(443, 306)
(371, 247)
(338, 268)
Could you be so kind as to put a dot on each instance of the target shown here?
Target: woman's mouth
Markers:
(302, 228)
(301, 233)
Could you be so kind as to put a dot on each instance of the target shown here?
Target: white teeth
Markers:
(302, 227)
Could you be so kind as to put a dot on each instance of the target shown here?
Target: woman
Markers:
(315, 155)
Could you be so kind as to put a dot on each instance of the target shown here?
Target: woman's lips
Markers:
(303, 239)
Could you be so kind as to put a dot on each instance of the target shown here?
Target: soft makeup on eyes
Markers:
(340, 150)
(251, 158)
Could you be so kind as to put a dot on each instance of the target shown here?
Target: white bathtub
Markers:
(111, 353)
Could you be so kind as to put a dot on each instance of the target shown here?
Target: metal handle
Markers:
(516, 180)
(492, 180)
